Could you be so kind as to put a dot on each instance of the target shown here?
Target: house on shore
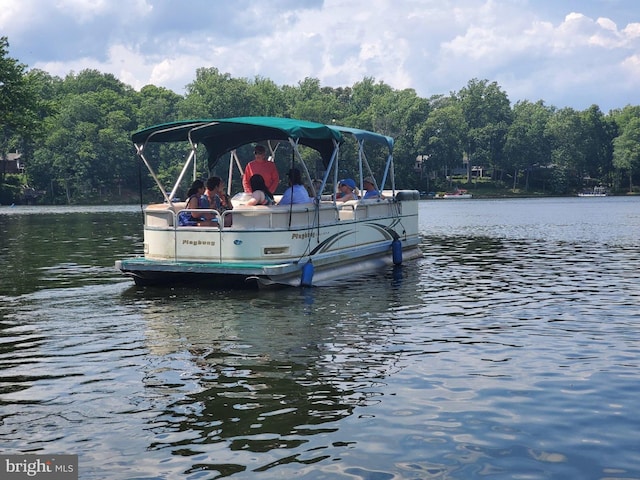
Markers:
(12, 163)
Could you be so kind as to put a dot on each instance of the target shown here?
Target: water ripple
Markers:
(510, 350)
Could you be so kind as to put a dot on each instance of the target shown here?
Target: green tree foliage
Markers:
(442, 137)
(527, 147)
(83, 155)
(565, 132)
(18, 104)
(398, 114)
(310, 102)
(22, 109)
(599, 133)
(75, 132)
(488, 114)
(218, 95)
(626, 153)
(156, 105)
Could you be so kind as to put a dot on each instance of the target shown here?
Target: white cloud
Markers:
(632, 65)
(632, 31)
(533, 49)
(83, 10)
(129, 65)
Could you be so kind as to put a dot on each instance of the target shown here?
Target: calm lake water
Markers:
(510, 350)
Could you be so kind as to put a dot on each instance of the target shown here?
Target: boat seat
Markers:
(162, 214)
(348, 210)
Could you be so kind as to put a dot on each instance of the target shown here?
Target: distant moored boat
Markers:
(596, 192)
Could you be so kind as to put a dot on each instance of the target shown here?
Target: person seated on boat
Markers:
(260, 194)
(315, 187)
(296, 193)
(218, 199)
(370, 189)
(193, 201)
(216, 196)
(347, 190)
(261, 166)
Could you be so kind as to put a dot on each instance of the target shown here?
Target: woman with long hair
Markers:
(260, 194)
(194, 194)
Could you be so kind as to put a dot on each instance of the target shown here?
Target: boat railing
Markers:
(282, 217)
(277, 217)
(258, 217)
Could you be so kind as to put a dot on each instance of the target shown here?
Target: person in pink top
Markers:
(263, 167)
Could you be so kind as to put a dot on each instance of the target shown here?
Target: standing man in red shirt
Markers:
(261, 166)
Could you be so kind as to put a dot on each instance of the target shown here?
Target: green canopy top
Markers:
(364, 135)
(220, 136)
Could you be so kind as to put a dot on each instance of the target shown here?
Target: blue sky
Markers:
(569, 53)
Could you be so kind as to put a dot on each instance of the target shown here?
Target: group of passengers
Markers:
(347, 190)
(201, 198)
(260, 179)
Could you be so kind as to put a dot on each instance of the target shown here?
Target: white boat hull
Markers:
(458, 196)
(596, 192)
(270, 245)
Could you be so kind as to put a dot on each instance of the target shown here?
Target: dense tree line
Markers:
(74, 132)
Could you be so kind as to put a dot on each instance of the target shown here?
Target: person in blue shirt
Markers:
(296, 193)
(370, 189)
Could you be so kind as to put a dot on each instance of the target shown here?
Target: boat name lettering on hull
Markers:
(300, 236)
(210, 243)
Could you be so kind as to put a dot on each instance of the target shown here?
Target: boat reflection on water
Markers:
(239, 374)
